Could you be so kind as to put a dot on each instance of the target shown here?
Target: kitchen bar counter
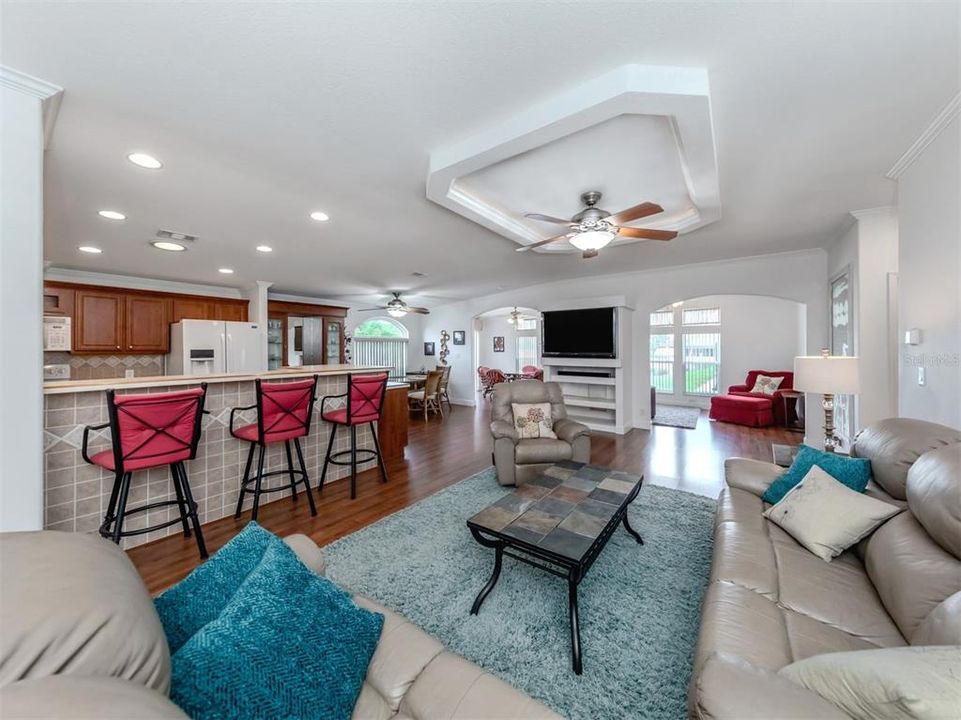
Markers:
(76, 493)
(58, 387)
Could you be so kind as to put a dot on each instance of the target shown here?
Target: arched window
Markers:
(381, 327)
(381, 341)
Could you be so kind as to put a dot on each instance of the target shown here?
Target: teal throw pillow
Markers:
(852, 472)
(290, 644)
(203, 594)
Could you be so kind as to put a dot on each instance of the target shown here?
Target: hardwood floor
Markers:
(442, 452)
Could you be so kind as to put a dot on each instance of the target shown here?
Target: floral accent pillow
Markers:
(766, 385)
(533, 420)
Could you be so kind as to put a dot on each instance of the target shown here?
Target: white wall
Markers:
(497, 326)
(800, 276)
(929, 288)
(21, 303)
(757, 333)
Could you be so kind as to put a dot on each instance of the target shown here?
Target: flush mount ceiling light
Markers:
(90, 249)
(168, 246)
(225, 271)
(145, 161)
(319, 216)
(264, 248)
(111, 215)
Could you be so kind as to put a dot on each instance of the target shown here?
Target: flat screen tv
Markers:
(588, 333)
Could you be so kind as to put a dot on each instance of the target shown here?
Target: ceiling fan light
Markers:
(397, 312)
(592, 239)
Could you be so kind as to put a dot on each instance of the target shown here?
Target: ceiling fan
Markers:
(593, 228)
(398, 308)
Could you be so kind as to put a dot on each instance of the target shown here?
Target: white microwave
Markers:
(56, 333)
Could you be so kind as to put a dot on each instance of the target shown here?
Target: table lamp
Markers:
(828, 375)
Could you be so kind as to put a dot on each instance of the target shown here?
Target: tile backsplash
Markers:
(95, 367)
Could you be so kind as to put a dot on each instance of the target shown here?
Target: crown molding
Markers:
(132, 282)
(948, 113)
(883, 211)
(47, 93)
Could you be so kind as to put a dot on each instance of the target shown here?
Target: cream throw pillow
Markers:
(766, 385)
(901, 683)
(533, 420)
(827, 517)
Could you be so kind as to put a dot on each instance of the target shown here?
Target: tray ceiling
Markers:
(637, 133)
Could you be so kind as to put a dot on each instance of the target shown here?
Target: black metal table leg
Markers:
(632, 531)
(575, 625)
(485, 591)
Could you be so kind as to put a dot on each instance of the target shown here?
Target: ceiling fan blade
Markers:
(646, 234)
(375, 309)
(419, 311)
(634, 213)
(542, 242)
(588, 254)
(547, 218)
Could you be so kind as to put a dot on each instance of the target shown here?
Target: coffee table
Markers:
(558, 522)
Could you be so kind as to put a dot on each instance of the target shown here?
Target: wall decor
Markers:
(460, 337)
(428, 348)
(444, 352)
(498, 343)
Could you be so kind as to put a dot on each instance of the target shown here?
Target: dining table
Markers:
(415, 380)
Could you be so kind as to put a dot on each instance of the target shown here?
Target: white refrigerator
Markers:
(206, 347)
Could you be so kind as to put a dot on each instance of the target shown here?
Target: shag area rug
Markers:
(676, 416)
(639, 604)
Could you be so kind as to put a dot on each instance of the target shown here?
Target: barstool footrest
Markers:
(371, 456)
(252, 482)
(105, 530)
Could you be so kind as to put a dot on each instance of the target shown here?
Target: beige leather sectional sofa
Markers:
(79, 638)
(770, 602)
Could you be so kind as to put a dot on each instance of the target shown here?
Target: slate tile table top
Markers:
(559, 522)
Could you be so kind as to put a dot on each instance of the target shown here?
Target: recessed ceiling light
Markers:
(225, 271)
(112, 215)
(90, 249)
(168, 246)
(145, 161)
(319, 216)
(264, 248)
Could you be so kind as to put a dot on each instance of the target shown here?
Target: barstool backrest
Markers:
(154, 430)
(284, 409)
(365, 397)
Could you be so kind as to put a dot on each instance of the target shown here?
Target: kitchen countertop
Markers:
(59, 387)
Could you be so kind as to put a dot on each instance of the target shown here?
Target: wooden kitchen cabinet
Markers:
(58, 300)
(99, 322)
(230, 311)
(146, 327)
(188, 308)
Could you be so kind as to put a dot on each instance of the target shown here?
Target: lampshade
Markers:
(826, 374)
(592, 239)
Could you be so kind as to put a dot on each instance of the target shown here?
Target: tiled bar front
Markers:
(76, 493)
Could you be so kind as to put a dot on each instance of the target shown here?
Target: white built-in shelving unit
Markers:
(597, 391)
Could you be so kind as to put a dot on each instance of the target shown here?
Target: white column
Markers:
(257, 311)
(28, 109)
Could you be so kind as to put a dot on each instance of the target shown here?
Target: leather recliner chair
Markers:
(518, 460)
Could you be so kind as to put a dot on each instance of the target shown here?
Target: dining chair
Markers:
(492, 377)
(428, 398)
(444, 384)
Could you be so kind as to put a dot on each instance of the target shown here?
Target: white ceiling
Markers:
(263, 112)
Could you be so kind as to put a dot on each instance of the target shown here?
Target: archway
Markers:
(518, 330)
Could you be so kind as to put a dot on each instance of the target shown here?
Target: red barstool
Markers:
(150, 431)
(365, 398)
(284, 411)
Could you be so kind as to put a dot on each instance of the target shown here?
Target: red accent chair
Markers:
(492, 377)
(284, 412)
(742, 407)
(150, 431)
(365, 399)
(532, 372)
